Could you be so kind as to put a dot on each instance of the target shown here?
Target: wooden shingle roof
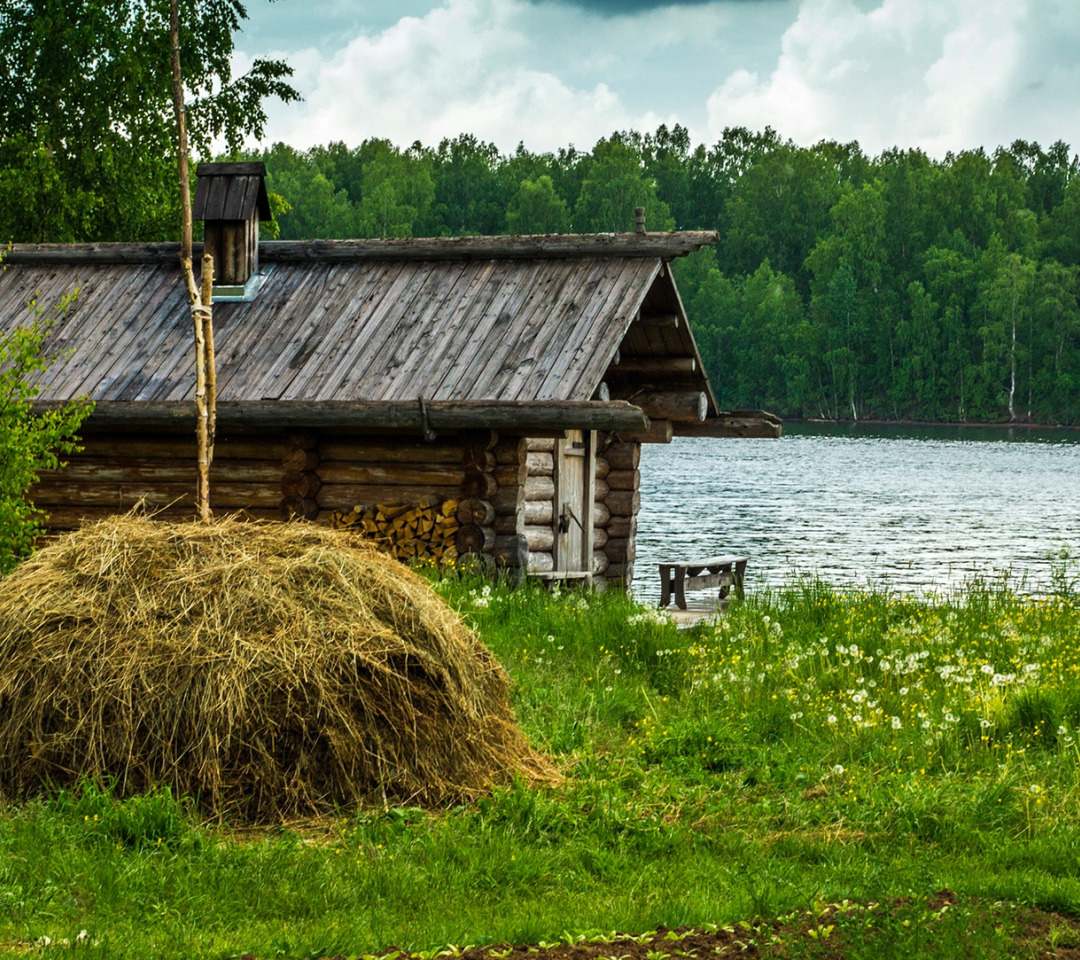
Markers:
(348, 321)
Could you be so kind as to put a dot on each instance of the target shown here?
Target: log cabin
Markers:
(482, 396)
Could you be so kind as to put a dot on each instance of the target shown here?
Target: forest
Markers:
(843, 286)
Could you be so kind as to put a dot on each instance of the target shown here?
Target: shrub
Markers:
(30, 440)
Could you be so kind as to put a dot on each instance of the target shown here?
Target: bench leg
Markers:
(680, 595)
(665, 585)
(739, 576)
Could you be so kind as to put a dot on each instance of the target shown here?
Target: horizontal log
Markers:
(660, 431)
(478, 461)
(624, 480)
(536, 247)
(72, 517)
(540, 563)
(226, 495)
(541, 444)
(540, 464)
(621, 550)
(507, 524)
(341, 471)
(472, 538)
(298, 508)
(683, 405)
(600, 563)
(661, 320)
(303, 438)
(623, 503)
(603, 467)
(508, 500)
(478, 439)
(475, 510)
(297, 459)
(344, 496)
(600, 489)
(539, 488)
(511, 551)
(623, 455)
(601, 515)
(481, 486)
(539, 539)
(304, 485)
(599, 537)
(620, 573)
(655, 366)
(523, 416)
(92, 470)
(622, 527)
(380, 450)
(539, 511)
(511, 450)
(751, 423)
(511, 474)
(138, 446)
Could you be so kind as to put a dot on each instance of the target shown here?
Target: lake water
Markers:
(918, 509)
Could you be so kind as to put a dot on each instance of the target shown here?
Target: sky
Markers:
(940, 75)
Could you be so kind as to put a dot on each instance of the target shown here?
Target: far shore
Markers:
(997, 425)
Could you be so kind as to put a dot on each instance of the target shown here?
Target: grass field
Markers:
(812, 747)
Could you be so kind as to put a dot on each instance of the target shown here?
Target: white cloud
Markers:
(939, 74)
(463, 67)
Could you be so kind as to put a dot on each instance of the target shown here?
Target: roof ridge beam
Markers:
(559, 246)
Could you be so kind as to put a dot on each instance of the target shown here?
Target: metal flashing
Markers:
(234, 293)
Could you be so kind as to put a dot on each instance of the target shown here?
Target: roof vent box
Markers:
(230, 199)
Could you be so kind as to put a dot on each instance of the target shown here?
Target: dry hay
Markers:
(269, 670)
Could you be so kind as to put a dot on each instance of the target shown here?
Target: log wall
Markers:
(538, 512)
(616, 511)
(116, 472)
(511, 549)
(475, 493)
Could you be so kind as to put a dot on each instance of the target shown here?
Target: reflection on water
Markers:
(915, 508)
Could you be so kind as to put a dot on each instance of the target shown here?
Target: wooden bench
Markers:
(722, 572)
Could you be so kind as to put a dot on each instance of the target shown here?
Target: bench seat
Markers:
(676, 577)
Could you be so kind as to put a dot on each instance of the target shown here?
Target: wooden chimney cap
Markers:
(231, 191)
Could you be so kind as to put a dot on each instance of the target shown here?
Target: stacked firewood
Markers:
(425, 530)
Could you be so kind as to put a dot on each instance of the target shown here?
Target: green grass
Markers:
(813, 746)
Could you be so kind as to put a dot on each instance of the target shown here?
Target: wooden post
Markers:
(202, 319)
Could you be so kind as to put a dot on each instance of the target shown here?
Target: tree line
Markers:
(843, 286)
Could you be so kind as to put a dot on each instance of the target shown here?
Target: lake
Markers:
(917, 508)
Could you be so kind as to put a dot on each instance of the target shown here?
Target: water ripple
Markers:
(916, 509)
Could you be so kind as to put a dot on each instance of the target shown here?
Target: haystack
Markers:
(268, 670)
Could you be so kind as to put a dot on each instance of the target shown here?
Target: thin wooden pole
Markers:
(182, 139)
(200, 300)
(206, 316)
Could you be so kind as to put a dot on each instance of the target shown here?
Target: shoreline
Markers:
(997, 425)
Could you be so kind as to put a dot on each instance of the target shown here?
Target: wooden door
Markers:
(575, 472)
